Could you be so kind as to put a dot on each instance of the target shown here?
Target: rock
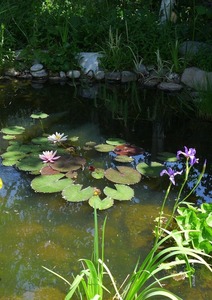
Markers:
(89, 61)
(99, 75)
(170, 86)
(141, 69)
(62, 75)
(113, 76)
(73, 74)
(193, 47)
(36, 67)
(12, 72)
(151, 83)
(173, 77)
(39, 74)
(127, 76)
(197, 78)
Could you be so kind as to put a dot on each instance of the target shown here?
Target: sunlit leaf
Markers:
(39, 116)
(97, 203)
(123, 158)
(152, 170)
(167, 156)
(75, 193)
(104, 148)
(123, 175)
(121, 192)
(1, 183)
(115, 141)
(14, 130)
(99, 173)
(50, 183)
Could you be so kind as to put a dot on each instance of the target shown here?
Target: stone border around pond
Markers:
(89, 71)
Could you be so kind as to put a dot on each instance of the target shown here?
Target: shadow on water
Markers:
(44, 230)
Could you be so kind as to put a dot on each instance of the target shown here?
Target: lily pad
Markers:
(167, 156)
(50, 183)
(104, 148)
(115, 141)
(123, 158)
(12, 157)
(152, 170)
(68, 163)
(123, 175)
(14, 130)
(39, 116)
(75, 193)
(30, 164)
(121, 192)
(97, 203)
(9, 137)
(99, 173)
(128, 150)
(73, 138)
(47, 170)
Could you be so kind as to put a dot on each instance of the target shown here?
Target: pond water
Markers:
(45, 230)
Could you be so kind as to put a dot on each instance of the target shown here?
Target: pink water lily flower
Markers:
(48, 156)
(57, 137)
(189, 154)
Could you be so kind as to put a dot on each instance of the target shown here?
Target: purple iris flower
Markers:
(189, 154)
(171, 173)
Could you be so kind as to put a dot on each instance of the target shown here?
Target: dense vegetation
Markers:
(124, 30)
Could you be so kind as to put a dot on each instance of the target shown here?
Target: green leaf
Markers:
(115, 141)
(99, 173)
(30, 164)
(50, 183)
(122, 192)
(97, 203)
(39, 116)
(123, 158)
(68, 163)
(75, 193)
(14, 130)
(123, 175)
(151, 171)
(9, 137)
(209, 220)
(104, 148)
(167, 156)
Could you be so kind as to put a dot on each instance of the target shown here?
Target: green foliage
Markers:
(123, 175)
(199, 223)
(121, 192)
(152, 170)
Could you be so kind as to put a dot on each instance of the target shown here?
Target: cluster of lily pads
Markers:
(56, 164)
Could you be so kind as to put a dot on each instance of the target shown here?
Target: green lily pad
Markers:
(75, 193)
(104, 148)
(167, 156)
(39, 116)
(50, 183)
(10, 158)
(30, 164)
(9, 137)
(99, 173)
(123, 158)
(97, 203)
(151, 171)
(122, 192)
(14, 130)
(123, 175)
(115, 141)
(68, 163)
(73, 138)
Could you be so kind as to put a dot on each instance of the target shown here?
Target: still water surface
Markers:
(44, 230)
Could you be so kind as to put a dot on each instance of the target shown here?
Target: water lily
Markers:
(57, 137)
(189, 154)
(171, 173)
(49, 156)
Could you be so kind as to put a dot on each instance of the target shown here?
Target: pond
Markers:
(41, 229)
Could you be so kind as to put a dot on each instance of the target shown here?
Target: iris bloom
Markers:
(171, 173)
(189, 154)
(49, 156)
(57, 137)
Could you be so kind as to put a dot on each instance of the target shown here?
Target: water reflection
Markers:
(42, 229)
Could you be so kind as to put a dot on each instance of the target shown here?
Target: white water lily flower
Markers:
(57, 137)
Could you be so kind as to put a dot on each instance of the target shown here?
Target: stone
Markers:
(151, 83)
(39, 74)
(36, 67)
(99, 75)
(127, 76)
(193, 47)
(62, 75)
(12, 72)
(73, 74)
(170, 86)
(89, 61)
(113, 76)
(197, 79)
(141, 69)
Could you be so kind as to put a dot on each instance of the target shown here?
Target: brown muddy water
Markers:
(45, 230)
